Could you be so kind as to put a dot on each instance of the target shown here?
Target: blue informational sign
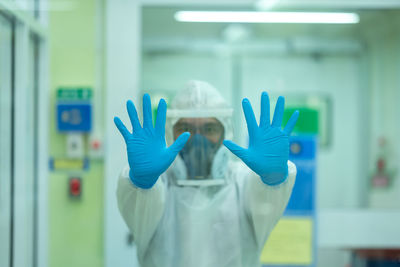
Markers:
(302, 154)
(74, 117)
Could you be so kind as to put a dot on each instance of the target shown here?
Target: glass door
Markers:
(6, 63)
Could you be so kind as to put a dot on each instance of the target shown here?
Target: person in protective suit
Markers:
(189, 204)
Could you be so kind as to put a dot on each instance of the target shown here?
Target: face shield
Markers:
(203, 160)
(206, 136)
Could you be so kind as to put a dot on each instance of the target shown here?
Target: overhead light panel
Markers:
(267, 17)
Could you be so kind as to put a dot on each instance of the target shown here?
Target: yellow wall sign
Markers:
(291, 242)
(63, 164)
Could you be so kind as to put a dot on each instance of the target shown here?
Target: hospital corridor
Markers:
(199, 133)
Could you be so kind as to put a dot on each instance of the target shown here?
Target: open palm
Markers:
(148, 154)
(268, 150)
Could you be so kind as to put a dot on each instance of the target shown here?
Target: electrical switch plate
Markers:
(75, 147)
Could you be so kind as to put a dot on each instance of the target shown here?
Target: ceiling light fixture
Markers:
(267, 17)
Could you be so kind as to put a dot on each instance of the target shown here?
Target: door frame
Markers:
(122, 72)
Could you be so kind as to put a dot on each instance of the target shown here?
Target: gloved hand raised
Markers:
(148, 155)
(268, 150)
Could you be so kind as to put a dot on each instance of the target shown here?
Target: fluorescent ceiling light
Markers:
(267, 17)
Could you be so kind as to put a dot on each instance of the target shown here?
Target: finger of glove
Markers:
(179, 143)
(161, 114)
(265, 116)
(133, 115)
(121, 127)
(278, 113)
(147, 117)
(250, 118)
(240, 152)
(291, 123)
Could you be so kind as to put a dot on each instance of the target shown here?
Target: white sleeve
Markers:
(141, 208)
(265, 204)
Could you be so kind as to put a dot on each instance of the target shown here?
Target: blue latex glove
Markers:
(148, 155)
(268, 151)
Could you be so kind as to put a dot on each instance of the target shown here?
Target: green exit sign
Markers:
(74, 93)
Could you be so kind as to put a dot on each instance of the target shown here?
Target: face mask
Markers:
(198, 155)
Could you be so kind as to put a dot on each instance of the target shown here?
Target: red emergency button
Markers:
(75, 186)
(96, 144)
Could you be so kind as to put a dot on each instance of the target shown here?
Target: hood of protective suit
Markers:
(200, 100)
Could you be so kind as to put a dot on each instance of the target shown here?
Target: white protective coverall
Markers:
(226, 224)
